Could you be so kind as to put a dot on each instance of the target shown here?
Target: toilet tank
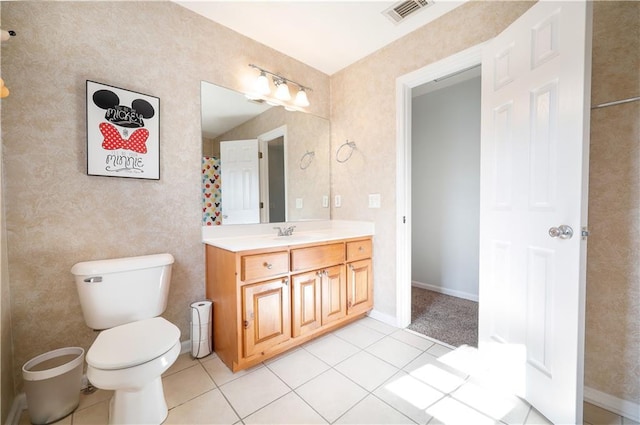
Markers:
(123, 290)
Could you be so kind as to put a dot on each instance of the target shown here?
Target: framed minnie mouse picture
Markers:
(123, 133)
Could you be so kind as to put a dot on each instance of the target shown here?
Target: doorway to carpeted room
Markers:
(443, 317)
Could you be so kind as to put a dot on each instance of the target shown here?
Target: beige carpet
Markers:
(443, 317)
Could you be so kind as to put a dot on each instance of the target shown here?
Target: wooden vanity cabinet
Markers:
(267, 301)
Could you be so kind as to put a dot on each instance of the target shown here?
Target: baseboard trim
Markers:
(625, 408)
(19, 404)
(454, 293)
(384, 317)
(185, 346)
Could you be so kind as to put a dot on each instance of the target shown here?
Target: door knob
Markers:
(562, 232)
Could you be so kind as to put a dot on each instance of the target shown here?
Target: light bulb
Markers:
(301, 98)
(262, 84)
(282, 90)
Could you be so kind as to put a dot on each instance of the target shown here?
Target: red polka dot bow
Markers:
(113, 140)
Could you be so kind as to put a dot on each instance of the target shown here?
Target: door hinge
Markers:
(261, 204)
(259, 155)
(404, 219)
(584, 233)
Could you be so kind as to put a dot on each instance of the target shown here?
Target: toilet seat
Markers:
(132, 344)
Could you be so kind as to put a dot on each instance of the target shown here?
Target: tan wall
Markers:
(612, 352)
(363, 101)
(6, 353)
(57, 215)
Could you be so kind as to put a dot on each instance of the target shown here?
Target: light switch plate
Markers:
(374, 200)
(298, 203)
(337, 202)
(325, 201)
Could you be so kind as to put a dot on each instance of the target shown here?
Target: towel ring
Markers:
(352, 145)
(307, 159)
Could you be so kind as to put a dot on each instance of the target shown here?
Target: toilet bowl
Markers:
(130, 360)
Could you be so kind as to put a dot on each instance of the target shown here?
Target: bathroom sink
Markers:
(300, 237)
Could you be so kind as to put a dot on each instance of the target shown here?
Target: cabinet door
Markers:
(359, 287)
(306, 302)
(266, 315)
(334, 294)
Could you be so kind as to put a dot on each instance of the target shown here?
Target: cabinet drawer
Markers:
(359, 250)
(316, 257)
(264, 265)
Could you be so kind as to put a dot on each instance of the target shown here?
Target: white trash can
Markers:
(201, 328)
(52, 383)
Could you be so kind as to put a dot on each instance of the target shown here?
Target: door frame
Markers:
(263, 140)
(404, 85)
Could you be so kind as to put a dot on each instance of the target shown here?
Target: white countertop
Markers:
(258, 236)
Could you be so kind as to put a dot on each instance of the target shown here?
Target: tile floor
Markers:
(367, 372)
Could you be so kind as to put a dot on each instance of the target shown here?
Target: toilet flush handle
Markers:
(93, 279)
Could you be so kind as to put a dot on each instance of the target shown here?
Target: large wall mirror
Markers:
(261, 163)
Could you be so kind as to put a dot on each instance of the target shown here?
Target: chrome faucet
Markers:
(285, 231)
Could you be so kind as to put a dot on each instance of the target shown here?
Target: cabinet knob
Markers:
(245, 324)
(360, 248)
(268, 265)
(285, 282)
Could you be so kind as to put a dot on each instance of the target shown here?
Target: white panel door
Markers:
(534, 159)
(239, 182)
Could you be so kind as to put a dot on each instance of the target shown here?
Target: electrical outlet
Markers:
(299, 203)
(325, 201)
(337, 201)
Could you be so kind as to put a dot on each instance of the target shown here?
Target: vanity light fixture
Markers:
(282, 89)
(262, 84)
(282, 95)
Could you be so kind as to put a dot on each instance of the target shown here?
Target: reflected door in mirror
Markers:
(240, 190)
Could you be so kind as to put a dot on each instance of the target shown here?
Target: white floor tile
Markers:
(187, 384)
(220, 373)
(331, 394)
(298, 368)
(393, 351)
(536, 418)
(183, 361)
(411, 338)
(377, 325)
(289, 409)
(209, 408)
(451, 412)
(430, 371)
(409, 395)
(331, 349)
(440, 386)
(96, 414)
(87, 400)
(496, 404)
(366, 370)
(358, 335)
(253, 391)
(372, 410)
(439, 350)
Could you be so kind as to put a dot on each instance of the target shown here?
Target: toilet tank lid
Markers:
(115, 265)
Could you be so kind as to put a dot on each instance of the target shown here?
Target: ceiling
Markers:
(326, 35)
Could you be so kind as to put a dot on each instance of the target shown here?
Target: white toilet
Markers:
(123, 297)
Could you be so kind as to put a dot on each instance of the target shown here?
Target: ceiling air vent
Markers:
(400, 11)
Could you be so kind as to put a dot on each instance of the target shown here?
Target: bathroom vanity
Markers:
(271, 294)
